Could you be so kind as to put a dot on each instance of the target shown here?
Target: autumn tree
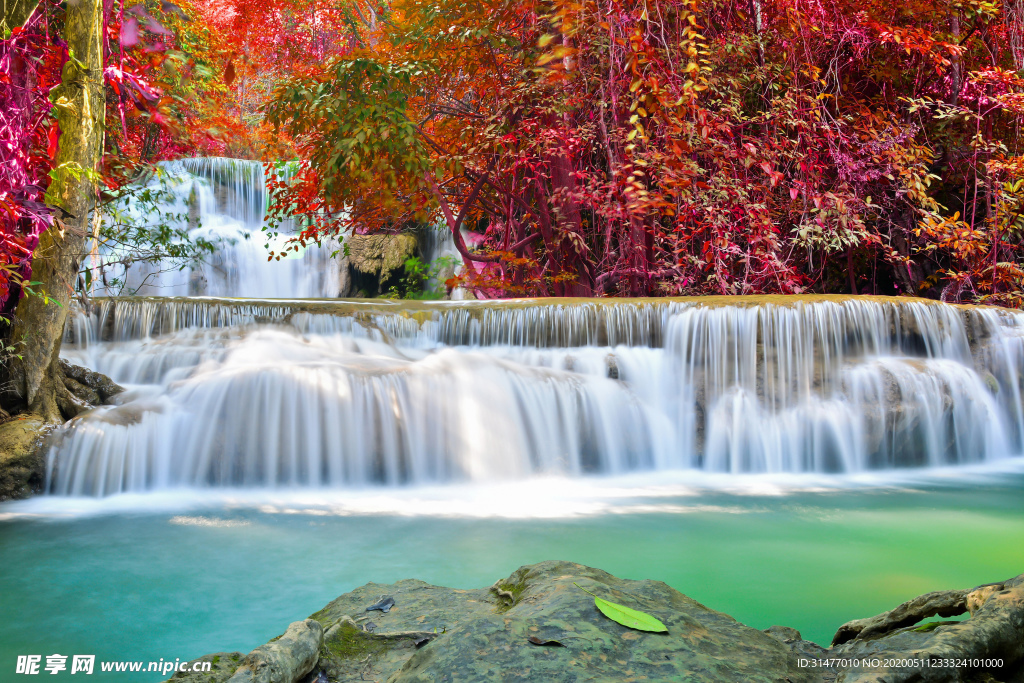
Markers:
(39, 321)
(679, 148)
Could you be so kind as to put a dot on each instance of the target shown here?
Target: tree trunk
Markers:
(39, 320)
(17, 13)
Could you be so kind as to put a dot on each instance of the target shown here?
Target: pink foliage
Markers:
(30, 63)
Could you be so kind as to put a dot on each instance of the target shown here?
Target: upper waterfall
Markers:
(223, 201)
(338, 393)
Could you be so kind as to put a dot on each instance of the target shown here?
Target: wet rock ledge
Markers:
(537, 626)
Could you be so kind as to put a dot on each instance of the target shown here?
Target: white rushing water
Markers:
(316, 393)
(285, 394)
(224, 202)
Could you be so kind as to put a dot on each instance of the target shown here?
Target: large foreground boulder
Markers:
(540, 625)
(537, 626)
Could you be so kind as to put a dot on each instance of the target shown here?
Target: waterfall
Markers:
(224, 202)
(320, 393)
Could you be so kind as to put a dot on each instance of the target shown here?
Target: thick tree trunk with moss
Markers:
(39, 320)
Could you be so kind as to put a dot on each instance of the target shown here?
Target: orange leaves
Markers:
(614, 146)
(917, 41)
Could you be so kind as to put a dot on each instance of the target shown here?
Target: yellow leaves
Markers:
(558, 53)
(546, 40)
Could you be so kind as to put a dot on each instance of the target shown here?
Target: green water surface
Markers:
(138, 585)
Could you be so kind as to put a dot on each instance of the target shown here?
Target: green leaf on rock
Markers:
(630, 618)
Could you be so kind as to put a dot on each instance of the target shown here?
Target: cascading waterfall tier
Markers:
(331, 393)
(224, 202)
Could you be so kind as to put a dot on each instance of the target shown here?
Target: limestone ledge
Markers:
(536, 625)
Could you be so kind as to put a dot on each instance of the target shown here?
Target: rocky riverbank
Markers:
(539, 625)
(22, 466)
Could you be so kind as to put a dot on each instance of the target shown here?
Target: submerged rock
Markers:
(537, 626)
(22, 469)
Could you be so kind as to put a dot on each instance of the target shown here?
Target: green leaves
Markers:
(630, 618)
(358, 131)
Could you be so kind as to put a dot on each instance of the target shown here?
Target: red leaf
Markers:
(53, 140)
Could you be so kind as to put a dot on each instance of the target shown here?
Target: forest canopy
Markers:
(664, 147)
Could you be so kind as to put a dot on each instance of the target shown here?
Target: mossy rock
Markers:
(22, 469)
(536, 625)
(485, 636)
(380, 255)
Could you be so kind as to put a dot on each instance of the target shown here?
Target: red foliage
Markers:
(30, 62)
(626, 148)
(677, 147)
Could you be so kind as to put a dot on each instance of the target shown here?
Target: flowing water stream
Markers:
(788, 460)
(271, 394)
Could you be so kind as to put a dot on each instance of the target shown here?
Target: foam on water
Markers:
(542, 497)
